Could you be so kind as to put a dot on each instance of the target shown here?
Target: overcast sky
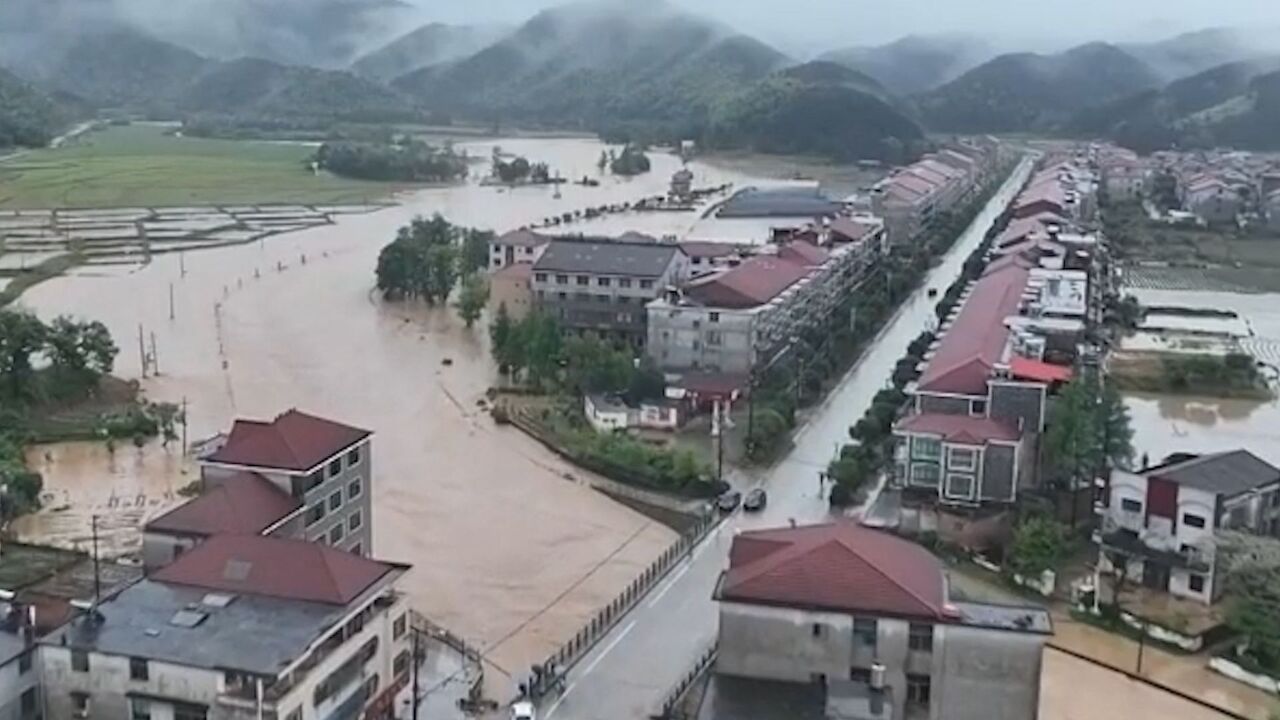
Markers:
(1024, 24)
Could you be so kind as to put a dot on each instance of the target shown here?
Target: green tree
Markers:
(539, 335)
(441, 273)
(22, 335)
(475, 251)
(1038, 544)
(99, 349)
(594, 366)
(647, 382)
(1250, 566)
(472, 298)
(504, 342)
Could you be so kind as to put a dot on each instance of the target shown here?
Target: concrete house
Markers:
(20, 696)
(517, 246)
(602, 285)
(512, 286)
(241, 627)
(1212, 200)
(297, 476)
(1163, 519)
(865, 617)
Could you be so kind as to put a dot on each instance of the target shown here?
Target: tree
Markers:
(441, 273)
(594, 366)
(1073, 439)
(540, 337)
(99, 349)
(603, 162)
(647, 382)
(1250, 566)
(22, 335)
(475, 251)
(503, 342)
(472, 298)
(1038, 544)
(397, 270)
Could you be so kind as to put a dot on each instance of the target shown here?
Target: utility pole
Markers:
(97, 576)
(170, 301)
(142, 352)
(184, 425)
(719, 432)
(155, 358)
(415, 633)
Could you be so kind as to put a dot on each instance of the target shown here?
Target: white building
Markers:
(239, 627)
(1162, 521)
(20, 697)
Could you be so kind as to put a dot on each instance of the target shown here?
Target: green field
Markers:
(141, 166)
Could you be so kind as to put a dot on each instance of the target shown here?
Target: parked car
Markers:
(756, 500)
(729, 501)
(523, 710)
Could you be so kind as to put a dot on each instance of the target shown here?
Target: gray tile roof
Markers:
(778, 202)
(252, 634)
(1228, 473)
(644, 260)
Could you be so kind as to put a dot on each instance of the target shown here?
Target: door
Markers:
(1155, 575)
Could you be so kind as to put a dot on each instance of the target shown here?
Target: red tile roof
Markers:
(245, 503)
(975, 342)
(803, 252)
(1028, 369)
(961, 429)
(851, 229)
(274, 567)
(753, 283)
(293, 441)
(838, 567)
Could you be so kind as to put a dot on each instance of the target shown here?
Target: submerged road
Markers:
(630, 670)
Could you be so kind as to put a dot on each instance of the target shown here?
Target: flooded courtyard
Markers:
(507, 552)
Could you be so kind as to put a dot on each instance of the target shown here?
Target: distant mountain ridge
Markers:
(1023, 92)
(430, 44)
(915, 64)
(28, 117)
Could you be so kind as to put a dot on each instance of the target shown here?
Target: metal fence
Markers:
(668, 710)
(608, 616)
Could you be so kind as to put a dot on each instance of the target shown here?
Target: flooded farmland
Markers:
(506, 551)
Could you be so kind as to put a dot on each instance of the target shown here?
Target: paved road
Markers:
(631, 669)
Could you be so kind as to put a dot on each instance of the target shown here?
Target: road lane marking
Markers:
(670, 584)
(587, 671)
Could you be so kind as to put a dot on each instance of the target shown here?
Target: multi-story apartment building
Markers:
(20, 697)
(297, 476)
(602, 285)
(734, 320)
(241, 627)
(517, 246)
(866, 614)
(1162, 521)
(911, 196)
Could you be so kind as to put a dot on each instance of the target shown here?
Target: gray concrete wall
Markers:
(1018, 404)
(999, 473)
(944, 404)
(14, 683)
(160, 549)
(988, 674)
(683, 338)
(340, 475)
(107, 683)
(780, 644)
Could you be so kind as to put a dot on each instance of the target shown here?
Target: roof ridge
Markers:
(891, 579)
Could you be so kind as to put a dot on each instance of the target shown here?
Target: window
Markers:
(138, 669)
(139, 709)
(353, 456)
(1275, 498)
(713, 338)
(583, 280)
(80, 704)
(562, 279)
(562, 295)
(923, 448)
(1194, 521)
(624, 282)
(581, 296)
(354, 489)
(80, 661)
(335, 500)
(864, 631)
(1239, 517)
(860, 675)
(399, 626)
(962, 459)
(646, 284)
(335, 467)
(188, 711)
(1195, 582)
(335, 534)
(713, 317)
(920, 637)
(960, 486)
(601, 298)
(355, 521)
(400, 666)
(604, 282)
(315, 514)
(918, 689)
(817, 630)
(540, 277)
(28, 701)
(24, 662)
(978, 407)
(1130, 505)
(926, 474)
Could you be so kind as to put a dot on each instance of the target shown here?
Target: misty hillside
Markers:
(1233, 104)
(817, 108)
(915, 64)
(428, 45)
(591, 63)
(28, 117)
(123, 68)
(1193, 53)
(264, 89)
(1028, 92)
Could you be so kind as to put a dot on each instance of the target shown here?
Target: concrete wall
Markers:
(340, 473)
(107, 683)
(713, 339)
(513, 292)
(780, 644)
(999, 473)
(13, 683)
(988, 674)
(1019, 404)
(160, 549)
(944, 404)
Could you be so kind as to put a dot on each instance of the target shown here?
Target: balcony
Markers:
(1133, 544)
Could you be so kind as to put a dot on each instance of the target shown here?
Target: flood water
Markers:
(1165, 424)
(506, 552)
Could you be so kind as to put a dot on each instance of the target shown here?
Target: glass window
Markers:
(189, 711)
(139, 709)
(927, 474)
(335, 534)
(817, 630)
(646, 284)
(584, 280)
(864, 631)
(399, 626)
(24, 662)
(80, 703)
(960, 486)
(624, 282)
(354, 522)
(562, 279)
(713, 317)
(713, 338)
(918, 689)
(353, 456)
(354, 489)
(1130, 505)
(962, 459)
(1195, 582)
(138, 669)
(920, 637)
(1194, 521)
(335, 467)
(28, 701)
(604, 282)
(315, 514)
(977, 407)
(335, 500)
(923, 448)
(400, 667)
(80, 661)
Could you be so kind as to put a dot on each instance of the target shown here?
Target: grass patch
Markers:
(143, 166)
(29, 277)
(1234, 376)
(22, 565)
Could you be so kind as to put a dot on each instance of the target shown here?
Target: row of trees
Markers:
(1088, 429)
(429, 257)
(75, 353)
(406, 160)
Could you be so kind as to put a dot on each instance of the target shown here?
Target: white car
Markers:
(523, 710)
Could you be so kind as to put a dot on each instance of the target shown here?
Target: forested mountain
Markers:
(1196, 52)
(915, 63)
(430, 44)
(122, 67)
(1028, 92)
(28, 117)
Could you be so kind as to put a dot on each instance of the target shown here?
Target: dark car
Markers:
(756, 500)
(729, 501)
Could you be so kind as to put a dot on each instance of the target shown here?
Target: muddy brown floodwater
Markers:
(505, 551)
